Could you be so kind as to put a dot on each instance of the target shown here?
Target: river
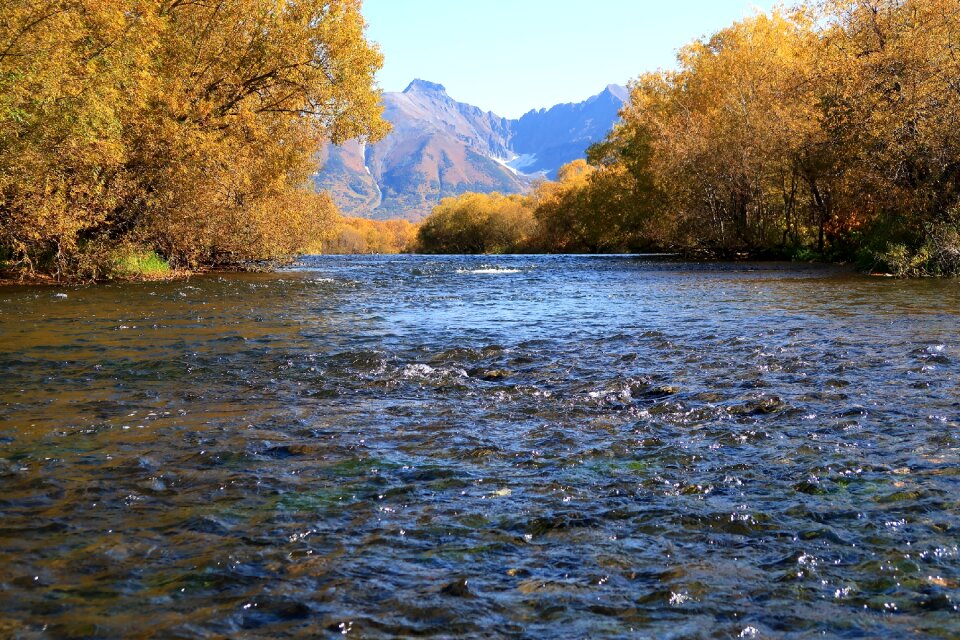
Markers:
(532, 446)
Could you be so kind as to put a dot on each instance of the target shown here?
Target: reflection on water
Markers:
(525, 446)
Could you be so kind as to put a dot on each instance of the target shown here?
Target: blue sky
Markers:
(510, 56)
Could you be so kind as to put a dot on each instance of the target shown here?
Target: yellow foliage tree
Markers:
(181, 127)
(478, 223)
(832, 127)
(361, 235)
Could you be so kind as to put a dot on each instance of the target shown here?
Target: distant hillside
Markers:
(440, 147)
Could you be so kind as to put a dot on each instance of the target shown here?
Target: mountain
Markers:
(440, 147)
(550, 138)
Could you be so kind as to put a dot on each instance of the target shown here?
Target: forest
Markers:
(827, 131)
(172, 132)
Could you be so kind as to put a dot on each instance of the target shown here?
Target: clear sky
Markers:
(510, 56)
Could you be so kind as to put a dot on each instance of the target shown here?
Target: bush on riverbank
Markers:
(580, 212)
(187, 129)
(141, 264)
(478, 223)
(364, 236)
(935, 253)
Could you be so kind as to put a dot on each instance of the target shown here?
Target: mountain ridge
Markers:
(441, 147)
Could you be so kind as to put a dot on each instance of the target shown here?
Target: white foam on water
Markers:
(426, 372)
(419, 370)
(490, 270)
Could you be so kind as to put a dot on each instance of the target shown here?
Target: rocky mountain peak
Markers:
(618, 91)
(425, 87)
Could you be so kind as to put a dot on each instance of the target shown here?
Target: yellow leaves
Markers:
(186, 127)
(576, 172)
(799, 128)
(362, 236)
(478, 223)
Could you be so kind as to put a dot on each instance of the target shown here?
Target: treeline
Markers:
(830, 130)
(362, 236)
(583, 211)
(181, 130)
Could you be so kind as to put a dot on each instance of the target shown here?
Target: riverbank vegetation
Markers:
(831, 130)
(350, 235)
(478, 223)
(181, 130)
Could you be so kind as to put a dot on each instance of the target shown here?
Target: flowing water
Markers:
(534, 447)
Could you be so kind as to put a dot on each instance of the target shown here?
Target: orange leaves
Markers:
(834, 125)
(802, 126)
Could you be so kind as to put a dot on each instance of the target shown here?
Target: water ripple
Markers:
(483, 447)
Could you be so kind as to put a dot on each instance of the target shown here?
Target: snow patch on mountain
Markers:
(516, 164)
(523, 161)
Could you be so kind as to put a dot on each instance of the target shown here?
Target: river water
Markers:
(534, 447)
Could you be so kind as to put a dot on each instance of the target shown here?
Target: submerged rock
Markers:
(457, 589)
(488, 374)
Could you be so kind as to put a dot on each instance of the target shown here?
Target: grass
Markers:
(142, 264)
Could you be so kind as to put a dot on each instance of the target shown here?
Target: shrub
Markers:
(937, 253)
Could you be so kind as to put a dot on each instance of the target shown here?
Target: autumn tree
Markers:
(894, 72)
(478, 223)
(181, 127)
(718, 133)
(363, 236)
(831, 127)
(562, 210)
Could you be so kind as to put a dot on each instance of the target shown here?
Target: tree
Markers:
(360, 235)
(478, 223)
(184, 127)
